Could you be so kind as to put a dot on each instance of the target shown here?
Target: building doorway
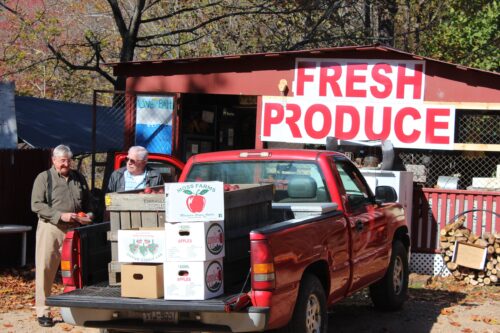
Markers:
(216, 122)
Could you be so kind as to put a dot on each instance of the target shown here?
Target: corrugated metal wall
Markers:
(18, 170)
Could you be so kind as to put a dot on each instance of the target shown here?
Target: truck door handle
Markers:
(359, 225)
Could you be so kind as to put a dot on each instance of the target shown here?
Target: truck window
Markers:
(169, 172)
(358, 193)
(293, 181)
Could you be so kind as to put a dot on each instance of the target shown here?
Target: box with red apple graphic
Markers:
(194, 202)
(194, 241)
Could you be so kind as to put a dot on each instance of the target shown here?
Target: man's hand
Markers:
(68, 217)
(84, 218)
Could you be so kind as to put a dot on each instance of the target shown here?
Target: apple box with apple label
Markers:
(146, 246)
(198, 241)
(194, 202)
(193, 280)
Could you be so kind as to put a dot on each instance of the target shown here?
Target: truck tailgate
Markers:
(103, 296)
(102, 306)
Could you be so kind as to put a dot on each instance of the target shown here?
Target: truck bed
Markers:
(103, 296)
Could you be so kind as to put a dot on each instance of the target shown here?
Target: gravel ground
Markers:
(441, 306)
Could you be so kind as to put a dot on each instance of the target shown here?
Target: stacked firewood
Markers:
(456, 231)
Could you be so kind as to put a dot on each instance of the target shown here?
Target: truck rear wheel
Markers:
(310, 315)
(390, 293)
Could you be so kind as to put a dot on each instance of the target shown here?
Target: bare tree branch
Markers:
(7, 8)
(118, 17)
(202, 24)
(326, 16)
(25, 68)
(170, 44)
(178, 12)
(151, 4)
(70, 65)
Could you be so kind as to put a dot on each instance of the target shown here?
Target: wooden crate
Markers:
(114, 273)
(245, 209)
(130, 210)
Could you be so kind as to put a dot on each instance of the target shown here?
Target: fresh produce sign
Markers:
(358, 99)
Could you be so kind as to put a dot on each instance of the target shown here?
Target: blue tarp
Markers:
(43, 123)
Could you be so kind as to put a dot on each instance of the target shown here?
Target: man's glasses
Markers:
(132, 160)
(63, 160)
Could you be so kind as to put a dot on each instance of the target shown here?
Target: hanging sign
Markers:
(153, 128)
(358, 99)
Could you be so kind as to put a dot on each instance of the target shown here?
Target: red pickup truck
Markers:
(329, 237)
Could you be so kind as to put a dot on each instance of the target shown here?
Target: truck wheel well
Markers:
(320, 269)
(401, 234)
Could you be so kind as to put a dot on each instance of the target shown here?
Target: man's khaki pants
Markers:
(49, 240)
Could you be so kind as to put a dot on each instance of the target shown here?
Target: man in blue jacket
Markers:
(136, 174)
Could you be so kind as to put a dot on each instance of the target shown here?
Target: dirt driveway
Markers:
(441, 306)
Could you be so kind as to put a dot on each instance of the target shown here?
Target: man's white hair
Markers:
(141, 152)
(62, 151)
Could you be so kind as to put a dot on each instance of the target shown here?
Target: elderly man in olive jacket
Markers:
(58, 195)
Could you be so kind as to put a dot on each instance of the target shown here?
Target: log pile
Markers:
(456, 232)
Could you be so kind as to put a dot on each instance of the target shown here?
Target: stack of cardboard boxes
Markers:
(185, 260)
(142, 253)
(195, 241)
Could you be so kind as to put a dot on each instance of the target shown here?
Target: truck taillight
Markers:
(263, 277)
(70, 262)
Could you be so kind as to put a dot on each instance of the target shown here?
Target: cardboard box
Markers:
(142, 245)
(469, 255)
(194, 241)
(142, 280)
(194, 202)
(193, 280)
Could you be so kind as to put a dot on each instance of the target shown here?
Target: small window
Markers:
(169, 173)
(356, 188)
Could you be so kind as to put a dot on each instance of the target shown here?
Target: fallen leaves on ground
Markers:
(490, 321)
(17, 289)
(475, 318)
(66, 327)
(484, 319)
(447, 311)
(461, 293)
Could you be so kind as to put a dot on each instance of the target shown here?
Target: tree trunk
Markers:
(386, 16)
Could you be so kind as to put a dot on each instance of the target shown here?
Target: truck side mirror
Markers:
(385, 194)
